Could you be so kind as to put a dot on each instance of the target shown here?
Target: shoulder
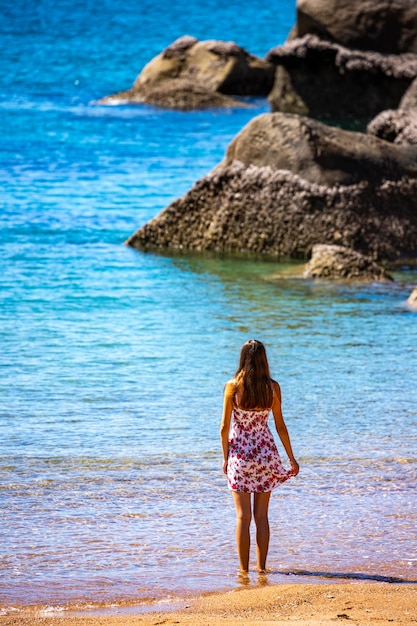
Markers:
(276, 388)
(230, 387)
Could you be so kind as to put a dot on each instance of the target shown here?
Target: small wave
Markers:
(48, 610)
(83, 109)
(8, 610)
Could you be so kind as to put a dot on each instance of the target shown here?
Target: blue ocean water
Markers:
(113, 361)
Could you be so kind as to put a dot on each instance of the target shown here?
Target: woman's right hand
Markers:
(225, 467)
(295, 468)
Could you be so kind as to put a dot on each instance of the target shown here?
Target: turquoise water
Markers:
(113, 361)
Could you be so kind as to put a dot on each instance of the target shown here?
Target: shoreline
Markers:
(307, 604)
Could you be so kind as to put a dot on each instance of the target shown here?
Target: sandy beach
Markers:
(304, 604)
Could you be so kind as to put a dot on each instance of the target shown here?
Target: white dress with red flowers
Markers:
(254, 464)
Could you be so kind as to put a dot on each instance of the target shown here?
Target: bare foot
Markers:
(243, 577)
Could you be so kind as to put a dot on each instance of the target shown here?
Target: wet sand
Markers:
(365, 604)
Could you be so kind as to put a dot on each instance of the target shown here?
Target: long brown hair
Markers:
(253, 377)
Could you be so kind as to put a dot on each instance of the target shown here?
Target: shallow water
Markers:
(113, 361)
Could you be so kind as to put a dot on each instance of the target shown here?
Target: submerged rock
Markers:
(326, 80)
(339, 262)
(191, 74)
(387, 26)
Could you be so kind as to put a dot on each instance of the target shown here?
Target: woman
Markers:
(250, 456)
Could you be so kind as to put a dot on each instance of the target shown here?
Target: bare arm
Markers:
(282, 429)
(229, 391)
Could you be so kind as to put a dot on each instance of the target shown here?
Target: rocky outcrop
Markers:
(318, 153)
(412, 299)
(280, 191)
(326, 80)
(267, 211)
(387, 26)
(346, 59)
(288, 183)
(192, 74)
(340, 263)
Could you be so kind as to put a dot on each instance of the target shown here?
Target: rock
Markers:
(398, 127)
(268, 211)
(181, 95)
(288, 183)
(387, 26)
(192, 74)
(319, 153)
(328, 81)
(338, 262)
(412, 299)
(220, 66)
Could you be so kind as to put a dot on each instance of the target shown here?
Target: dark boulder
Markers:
(265, 196)
(340, 263)
(274, 212)
(192, 74)
(387, 26)
(319, 153)
(328, 81)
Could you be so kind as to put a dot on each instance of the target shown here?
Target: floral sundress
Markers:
(254, 464)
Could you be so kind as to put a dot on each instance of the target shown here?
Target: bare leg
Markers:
(243, 519)
(260, 511)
